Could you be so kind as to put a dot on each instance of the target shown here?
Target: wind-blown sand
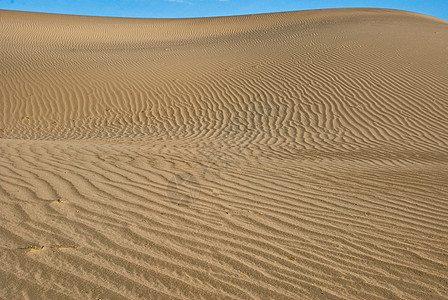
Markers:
(298, 155)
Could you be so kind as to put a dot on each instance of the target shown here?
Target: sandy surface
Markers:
(297, 155)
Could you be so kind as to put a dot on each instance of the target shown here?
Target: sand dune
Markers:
(298, 155)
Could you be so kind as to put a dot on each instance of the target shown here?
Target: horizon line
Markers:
(222, 16)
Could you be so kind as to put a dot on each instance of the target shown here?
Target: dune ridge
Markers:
(296, 155)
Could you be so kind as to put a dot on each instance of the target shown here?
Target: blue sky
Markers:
(204, 8)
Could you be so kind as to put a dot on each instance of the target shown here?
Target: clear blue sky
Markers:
(204, 8)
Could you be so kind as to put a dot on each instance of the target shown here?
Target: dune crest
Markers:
(297, 155)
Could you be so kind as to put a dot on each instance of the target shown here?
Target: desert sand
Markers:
(297, 155)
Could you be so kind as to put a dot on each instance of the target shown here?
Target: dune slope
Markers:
(298, 155)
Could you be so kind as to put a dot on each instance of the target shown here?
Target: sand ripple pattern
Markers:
(298, 155)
